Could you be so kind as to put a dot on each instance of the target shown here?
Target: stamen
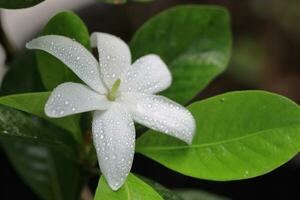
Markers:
(111, 95)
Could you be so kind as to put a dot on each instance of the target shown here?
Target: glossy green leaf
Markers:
(53, 71)
(194, 41)
(239, 135)
(34, 103)
(22, 76)
(14, 4)
(133, 189)
(43, 155)
(189, 194)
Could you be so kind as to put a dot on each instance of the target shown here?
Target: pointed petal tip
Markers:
(115, 187)
(28, 45)
(32, 43)
(189, 141)
(188, 136)
(193, 129)
(50, 113)
(115, 184)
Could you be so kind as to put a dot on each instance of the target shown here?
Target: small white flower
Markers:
(119, 92)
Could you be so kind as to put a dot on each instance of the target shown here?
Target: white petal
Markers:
(72, 54)
(149, 74)
(71, 98)
(161, 114)
(114, 56)
(114, 140)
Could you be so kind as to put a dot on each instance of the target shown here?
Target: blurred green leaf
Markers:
(123, 1)
(14, 4)
(22, 75)
(34, 103)
(239, 135)
(43, 155)
(164, 192)
(133, 189)
(53, 71)
(248, 61)
(189, 194)
(113, 1)
(194, 41)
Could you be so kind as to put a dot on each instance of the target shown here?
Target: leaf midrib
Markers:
(127, 191)
(162, 148)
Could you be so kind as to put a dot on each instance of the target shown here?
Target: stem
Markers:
(86, 193)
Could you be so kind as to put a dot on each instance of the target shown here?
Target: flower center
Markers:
(111, 95)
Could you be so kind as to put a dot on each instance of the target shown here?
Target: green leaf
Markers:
(22, 76)
(53, 71)
(34, 103)
(42, 155)
(189, 194)
(133, 189)
(195, 43)
(164, 192)
(239, 135)
(14, 4)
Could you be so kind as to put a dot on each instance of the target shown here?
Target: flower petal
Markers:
(161, 114)
(149, 74)
(114, 56)
(71, 98)
(72, 54)
(114, 139)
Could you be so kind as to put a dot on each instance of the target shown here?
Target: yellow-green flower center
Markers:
(111, 95)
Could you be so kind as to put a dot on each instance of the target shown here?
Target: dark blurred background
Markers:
(266, 50)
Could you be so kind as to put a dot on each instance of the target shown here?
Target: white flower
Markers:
(119, 92)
